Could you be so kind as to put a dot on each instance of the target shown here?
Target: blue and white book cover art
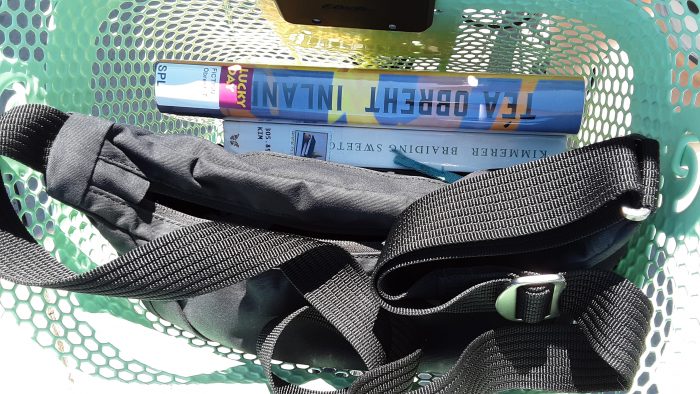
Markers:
(373, 147)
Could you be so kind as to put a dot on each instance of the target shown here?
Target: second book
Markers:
(379, 148)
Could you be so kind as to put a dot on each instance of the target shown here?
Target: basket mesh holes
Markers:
(51, 312)
(681, 28)
(487, 39)
(534, 43)
(18, 28)
(166, 35)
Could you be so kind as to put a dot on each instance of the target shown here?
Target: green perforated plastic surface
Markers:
(639, 57)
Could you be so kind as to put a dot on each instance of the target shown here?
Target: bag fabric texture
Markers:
(330, 265)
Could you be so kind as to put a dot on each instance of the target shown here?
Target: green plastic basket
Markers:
(639, 57)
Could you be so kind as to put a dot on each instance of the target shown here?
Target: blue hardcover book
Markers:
(379, 98)
(377, 147)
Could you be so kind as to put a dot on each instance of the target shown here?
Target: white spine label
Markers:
(187, 85)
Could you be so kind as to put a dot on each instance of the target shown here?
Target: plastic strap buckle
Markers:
(506, 303)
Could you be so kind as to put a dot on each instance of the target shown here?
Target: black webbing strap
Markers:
(394, 377)
(594, 346)
(191, 261)
(495, 218)
(518, 210)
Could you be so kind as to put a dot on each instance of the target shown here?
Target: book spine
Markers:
(379, 98)
(372, 147)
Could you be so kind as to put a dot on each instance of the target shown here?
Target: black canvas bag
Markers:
(501, 280)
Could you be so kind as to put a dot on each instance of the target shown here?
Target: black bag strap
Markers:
(519, 213)
(594, 346)
(191, 261)
(498, 218)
